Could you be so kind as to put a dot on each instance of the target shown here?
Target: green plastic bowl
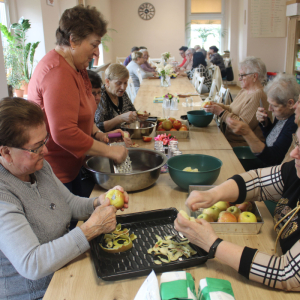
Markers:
(199, 118)
(209, 169)
(248, 160)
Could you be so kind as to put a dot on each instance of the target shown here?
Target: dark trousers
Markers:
(82, 187)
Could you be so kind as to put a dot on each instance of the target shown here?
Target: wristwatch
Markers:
(213, 248)
(94, 135)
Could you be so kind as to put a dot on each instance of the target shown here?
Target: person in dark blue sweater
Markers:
(282, 92)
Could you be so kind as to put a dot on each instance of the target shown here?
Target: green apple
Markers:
(247, 217)
(116, 198)
(222, 205)
(205, 217)
(212, 211)
(234, 210)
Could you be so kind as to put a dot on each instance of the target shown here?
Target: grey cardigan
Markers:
(34, 236)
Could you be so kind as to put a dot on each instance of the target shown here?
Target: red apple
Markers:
(116, 198)
(172, 119)
(250, 206)
(205, 217)
(147, 138)
(247, 217)
(167, 125)
(212, 211)
(177, 124)
(173, 129)
(222, 205)
(234, 210)
(160, 129)
(159, 124)
(183, 128)
(226, 216)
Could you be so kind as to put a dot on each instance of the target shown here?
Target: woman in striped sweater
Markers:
(280, 184)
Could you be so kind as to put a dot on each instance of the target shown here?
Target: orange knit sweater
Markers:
(69, 106)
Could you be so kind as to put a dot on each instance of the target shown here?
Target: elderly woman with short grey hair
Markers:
(146, 66)
(134, 68)
(115, 107)
(282, 93)
(189, 60)
(252, 77)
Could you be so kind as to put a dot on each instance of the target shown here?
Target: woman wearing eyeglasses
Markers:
(280, 184)
(252, 78)
(283, 92)
(36, 208)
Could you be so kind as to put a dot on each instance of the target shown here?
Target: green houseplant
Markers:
(18, 55)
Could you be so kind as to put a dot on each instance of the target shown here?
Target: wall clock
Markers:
(146, 11)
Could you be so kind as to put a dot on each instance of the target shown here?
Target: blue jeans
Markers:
(81, 187)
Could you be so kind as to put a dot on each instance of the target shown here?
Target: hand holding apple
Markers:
(101, 199)
(198, 200)
(199, 232)
(215, 109)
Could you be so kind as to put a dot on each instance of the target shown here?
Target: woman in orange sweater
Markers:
(61, 86)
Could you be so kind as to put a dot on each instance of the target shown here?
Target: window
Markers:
(206, 6)
(205, 23)
(3, 18)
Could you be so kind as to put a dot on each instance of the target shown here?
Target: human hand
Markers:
(118, 154)
(261, 115)
(128, 142)
(238, 127)
(102, 137)
(129, 117)
(144, 117)
(102, 220)
(199, 233)
(215, 109)
(198, 200)
(101, 199)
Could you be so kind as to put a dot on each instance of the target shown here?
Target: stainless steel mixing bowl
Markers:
(146, 165)
(139, 129)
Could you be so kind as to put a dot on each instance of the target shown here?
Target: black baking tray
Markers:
(136, 261)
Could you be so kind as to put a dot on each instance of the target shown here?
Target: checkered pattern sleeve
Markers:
(259, 185)
(281, 272)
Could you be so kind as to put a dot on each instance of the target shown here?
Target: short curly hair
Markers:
(79, 22)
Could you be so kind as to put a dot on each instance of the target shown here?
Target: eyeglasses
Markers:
(38, 149)
(296, 143)
(243, 75)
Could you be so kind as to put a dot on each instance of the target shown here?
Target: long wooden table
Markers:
(78, 279)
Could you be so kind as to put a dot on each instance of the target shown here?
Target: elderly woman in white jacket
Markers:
(134, 66)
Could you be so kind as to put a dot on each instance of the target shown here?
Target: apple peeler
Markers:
(124, 167)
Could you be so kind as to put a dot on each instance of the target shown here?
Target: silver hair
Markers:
(191, 50)
(197, 47)
(282, 88)
(143, 50)
(116, 72)
(136, 54)
(253, 64)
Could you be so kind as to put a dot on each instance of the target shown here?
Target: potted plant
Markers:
(23, 52)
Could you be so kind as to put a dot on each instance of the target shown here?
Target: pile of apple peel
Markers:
(118, 241)
(166, 250)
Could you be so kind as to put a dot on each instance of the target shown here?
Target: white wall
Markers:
(104, 6)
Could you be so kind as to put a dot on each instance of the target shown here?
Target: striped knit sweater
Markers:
(244, 108)
(279, 184)
(34, 237)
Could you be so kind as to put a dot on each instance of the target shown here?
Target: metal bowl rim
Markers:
(153, 125)
(165, 159)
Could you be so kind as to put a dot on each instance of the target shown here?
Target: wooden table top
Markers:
(78, 279)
